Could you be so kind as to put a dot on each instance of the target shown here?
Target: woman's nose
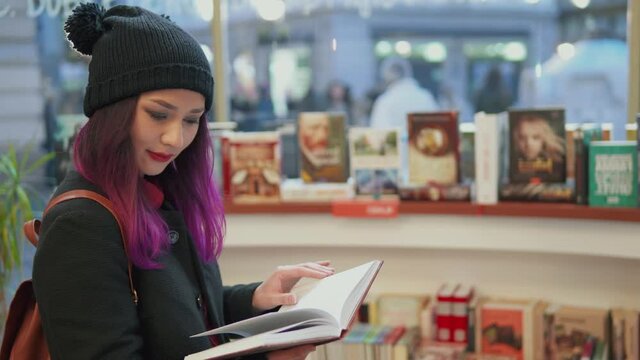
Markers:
(172, 135)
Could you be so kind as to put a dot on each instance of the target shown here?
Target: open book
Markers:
(323, 313)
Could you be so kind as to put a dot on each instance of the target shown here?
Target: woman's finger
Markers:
(323, 262)
(319, 267)
(293, 272)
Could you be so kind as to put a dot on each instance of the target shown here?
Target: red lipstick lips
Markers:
(161, 157)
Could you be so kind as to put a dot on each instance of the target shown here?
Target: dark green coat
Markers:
(81, 285)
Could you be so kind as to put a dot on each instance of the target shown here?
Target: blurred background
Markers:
(282, 57)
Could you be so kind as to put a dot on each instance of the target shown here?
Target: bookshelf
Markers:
(514, 209)
(550, 251)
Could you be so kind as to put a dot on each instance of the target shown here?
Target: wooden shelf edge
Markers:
(514, 209)
(278, 208)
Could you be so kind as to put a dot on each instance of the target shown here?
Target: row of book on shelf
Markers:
(457, 324)
(521, 155)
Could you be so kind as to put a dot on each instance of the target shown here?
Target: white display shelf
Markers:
(614, 239)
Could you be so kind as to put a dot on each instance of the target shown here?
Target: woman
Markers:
(146, 147)
(538, 153)
(535, 139)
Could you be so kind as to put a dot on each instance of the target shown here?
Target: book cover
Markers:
(374, 161)
(487, 158)
(433, 148)
(400, 309)
(541, 192)
(434, 192)
(296, 190)
(502, 331)
(574, 326)
(322, 145)
(254, 167)
(325, 310)
(376, 182)
(537, 151)
(613, 175)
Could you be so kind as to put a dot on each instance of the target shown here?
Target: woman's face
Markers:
(530, 139)
(165, 123)
(314, 133)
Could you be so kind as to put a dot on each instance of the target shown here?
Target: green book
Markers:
(613, 174)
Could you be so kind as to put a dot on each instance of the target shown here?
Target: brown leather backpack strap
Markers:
(31, 229)
(107, 204)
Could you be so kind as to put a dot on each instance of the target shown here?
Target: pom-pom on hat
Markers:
(134, 50)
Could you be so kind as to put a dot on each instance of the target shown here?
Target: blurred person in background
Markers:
(402, 95)
(494, 97)
(338, 99)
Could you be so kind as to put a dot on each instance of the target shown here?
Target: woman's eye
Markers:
(192, 121)
(157, 115)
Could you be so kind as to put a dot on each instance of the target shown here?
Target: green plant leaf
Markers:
(13, 160)
(40, 162)
(7, 168)
(16, 205)
(25, 157)
(25, 204)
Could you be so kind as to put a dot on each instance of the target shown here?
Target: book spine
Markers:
(486, 159)
(471, 328)
(638, 152)
(444, 320)
(427, 321)
(459, 322)
(225, 147)
(588, 349)
(581, 166)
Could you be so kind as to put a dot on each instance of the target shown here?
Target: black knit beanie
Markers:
(134, 50)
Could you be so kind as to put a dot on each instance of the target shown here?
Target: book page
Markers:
(298, 334)
(271, 321)
(336, 294)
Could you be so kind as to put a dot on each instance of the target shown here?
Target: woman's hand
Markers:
(275, 290)
(295, 353)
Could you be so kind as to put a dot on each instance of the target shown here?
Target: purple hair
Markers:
(103, 154)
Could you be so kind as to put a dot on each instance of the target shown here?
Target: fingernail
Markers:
(293, 299)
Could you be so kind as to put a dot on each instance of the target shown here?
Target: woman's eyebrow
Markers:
(173, 107)
(164, 104)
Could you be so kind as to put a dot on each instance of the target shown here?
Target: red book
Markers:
(444, 310)
(460, 313)
(392, 337)
(226, 165)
